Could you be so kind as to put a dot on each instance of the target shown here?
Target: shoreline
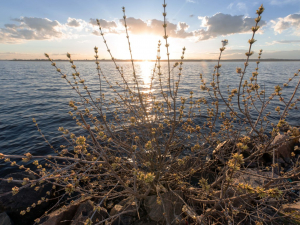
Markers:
(171, 60)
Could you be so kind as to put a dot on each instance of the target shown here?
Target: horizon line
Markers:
(152, 60)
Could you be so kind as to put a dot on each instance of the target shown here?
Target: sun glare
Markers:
(144, 46)
(146, 68)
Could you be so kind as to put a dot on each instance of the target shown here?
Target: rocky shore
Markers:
(77, 212)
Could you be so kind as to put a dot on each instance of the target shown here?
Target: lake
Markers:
(34, 89)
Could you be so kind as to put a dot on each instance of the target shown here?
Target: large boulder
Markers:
(62, 216)
(168, 207)
(285, 147)
(14, 204)
(128, 218)
(86, 211)
(76, 214)
(225, 149)
(253, 177)
(291, 207)
(145, 223)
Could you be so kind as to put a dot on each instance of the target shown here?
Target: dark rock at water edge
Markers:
(76, 214)
(128, 205)
(85, 211)
(14, 204)
(285, 147)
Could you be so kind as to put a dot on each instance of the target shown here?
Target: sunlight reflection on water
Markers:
(34, 89)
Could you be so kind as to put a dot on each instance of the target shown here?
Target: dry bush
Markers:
(138, 143)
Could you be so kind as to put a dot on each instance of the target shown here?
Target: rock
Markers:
(14, 204)
(4, 219)
(249, 177)
(145, 223)
(219, 147)
(85, 211)
(61, 215)
(285, 127)
(127, 204)
(64, 215)
(225, 149)
(254, 178)
(291, 207)
(285, 147)
(221, 150)
(173, 207)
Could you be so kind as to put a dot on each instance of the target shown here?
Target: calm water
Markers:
(35, 89)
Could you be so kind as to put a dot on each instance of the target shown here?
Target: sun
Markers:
(144, 47)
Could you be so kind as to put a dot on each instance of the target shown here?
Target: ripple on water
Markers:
(35, 89)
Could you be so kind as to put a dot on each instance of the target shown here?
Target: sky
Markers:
(30, 28)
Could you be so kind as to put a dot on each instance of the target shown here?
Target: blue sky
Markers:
(28, 28)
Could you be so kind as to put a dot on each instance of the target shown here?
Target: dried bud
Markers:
(257, 19)
(224, 42)
(15, 190)
(260, 10)
(254, 29)
(249, 53)
(251, 41)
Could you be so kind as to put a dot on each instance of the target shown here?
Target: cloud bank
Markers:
(32, 28)
(224, 24)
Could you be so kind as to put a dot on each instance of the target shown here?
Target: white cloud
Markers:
(106, 26)
(72, 22)
(293, 54)
(283, 42)
(230, 5)
(104, 23)
(30, 28)
(9, 53)
(267, 54)
(283, 2)
(224, 24)
(138, 26)
(290, 21)
(241, 6)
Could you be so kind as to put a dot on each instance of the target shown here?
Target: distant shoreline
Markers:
(172, 60)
